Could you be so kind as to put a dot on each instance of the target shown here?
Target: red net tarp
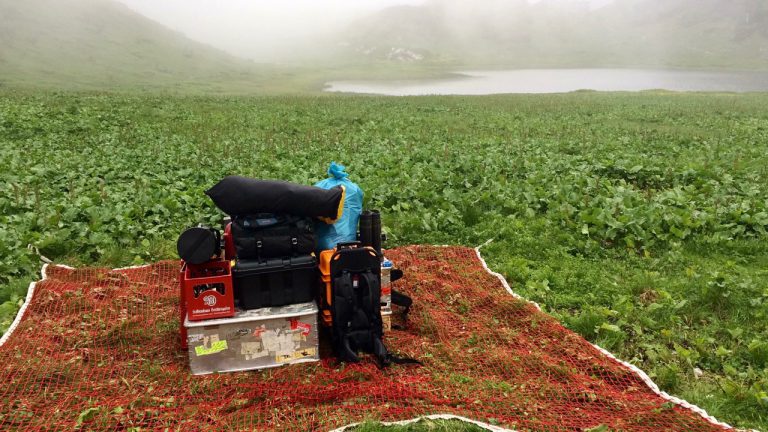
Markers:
(98, 349)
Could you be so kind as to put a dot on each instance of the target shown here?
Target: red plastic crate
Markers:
(205, 293)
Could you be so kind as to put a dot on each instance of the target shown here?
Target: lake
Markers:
(560, 81)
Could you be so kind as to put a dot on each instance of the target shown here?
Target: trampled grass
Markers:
(422, 425)
(639, 220)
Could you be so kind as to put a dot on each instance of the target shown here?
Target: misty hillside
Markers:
(694, 33)
(92, 44)
(102, 44)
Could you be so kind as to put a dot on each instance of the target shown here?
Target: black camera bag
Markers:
(265, 236)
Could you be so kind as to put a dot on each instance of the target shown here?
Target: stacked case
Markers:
(275, 261)
(274, 279)
(254, 339)
(252, 306)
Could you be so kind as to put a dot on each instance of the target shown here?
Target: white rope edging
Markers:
(132, 267)
(27, 301)
(501, 278)
(485, 426)
(639, 372)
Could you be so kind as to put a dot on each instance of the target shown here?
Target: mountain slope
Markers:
(686, 33)
(718, 33)
(94, 44)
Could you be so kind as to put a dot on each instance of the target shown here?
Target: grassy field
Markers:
(639, 220)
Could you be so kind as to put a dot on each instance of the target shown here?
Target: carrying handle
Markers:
(348, 245)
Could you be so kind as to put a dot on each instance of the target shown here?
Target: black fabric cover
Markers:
(272, 236)
(237, 195)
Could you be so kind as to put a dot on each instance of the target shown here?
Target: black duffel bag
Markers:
(237, 196)
(265, 236)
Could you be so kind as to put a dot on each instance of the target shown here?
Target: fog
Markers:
(267, 30)
(260, 30)
(131, 37)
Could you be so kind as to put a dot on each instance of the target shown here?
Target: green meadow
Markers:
(637, 219)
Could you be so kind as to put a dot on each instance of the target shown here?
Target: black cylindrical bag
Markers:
(365, 228)
(240, 196)
(376, 230)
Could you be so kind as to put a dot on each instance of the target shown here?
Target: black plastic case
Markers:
(275, 282)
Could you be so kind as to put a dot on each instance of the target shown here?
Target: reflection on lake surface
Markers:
(561, 81)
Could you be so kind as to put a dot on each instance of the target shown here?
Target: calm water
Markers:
(560, 81)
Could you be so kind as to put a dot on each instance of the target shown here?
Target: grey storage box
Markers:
(254, 339)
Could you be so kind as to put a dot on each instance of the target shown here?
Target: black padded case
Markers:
(275, 282)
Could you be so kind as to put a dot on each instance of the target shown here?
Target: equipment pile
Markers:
(295, 265)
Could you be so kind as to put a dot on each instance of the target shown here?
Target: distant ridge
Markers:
(730, 34)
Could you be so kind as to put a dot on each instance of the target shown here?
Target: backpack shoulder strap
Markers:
(383, 357)
(402, 300)
(343, 311)
(372, 296)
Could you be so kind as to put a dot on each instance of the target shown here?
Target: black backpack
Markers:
(264, 236)
(356, 305)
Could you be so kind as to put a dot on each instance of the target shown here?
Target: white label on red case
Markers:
(209, 300)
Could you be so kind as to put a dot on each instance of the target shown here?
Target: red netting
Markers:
(100, 348)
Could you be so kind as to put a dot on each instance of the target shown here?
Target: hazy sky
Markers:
(257, 29)
(262, 29)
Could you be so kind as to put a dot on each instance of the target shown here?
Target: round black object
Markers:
(198, 245)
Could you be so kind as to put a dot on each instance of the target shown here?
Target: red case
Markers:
(229, 243)
(208, 303)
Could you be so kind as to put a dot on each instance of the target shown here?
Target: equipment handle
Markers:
(348, 245)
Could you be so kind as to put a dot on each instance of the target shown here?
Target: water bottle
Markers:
(386, 285)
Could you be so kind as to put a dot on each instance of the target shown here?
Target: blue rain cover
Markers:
(345, 229)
